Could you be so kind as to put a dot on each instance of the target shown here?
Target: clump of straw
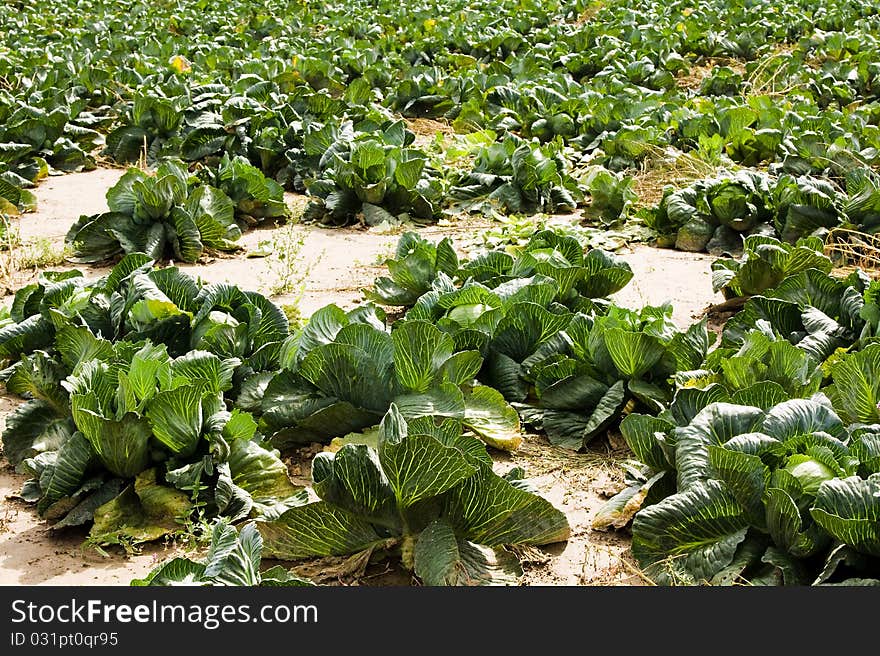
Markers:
(850, 249)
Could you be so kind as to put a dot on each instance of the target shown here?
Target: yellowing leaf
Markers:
(8, 208)
(180, 64)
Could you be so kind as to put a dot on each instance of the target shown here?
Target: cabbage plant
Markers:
(855, 391)
(597, 368)
(425, 492)
(569, 361)
(255, 197)
(169, 214)
(149, 122)
(518, 176)
(158, 215)
(811, 309)
(412, 271)
(138, 301)
(135, 438)
(765, 370)
(740, 494)
(713, 214)
(765, 263)
(548, 268)
(342, 372)
(579, 276)
(376, 177)
(569, 374)
(126, 422)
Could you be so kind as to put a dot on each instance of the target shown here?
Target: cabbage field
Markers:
(508, 392)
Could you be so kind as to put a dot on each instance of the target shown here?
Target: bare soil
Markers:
(578, 484)
(62, 199)
(31, 554)
(332, 266)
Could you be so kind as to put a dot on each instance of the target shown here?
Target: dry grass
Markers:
(426, 131)
(768, 78)
(693, 77)
(539, 457)
(428, 127)
(107, 162)
(17, 258)
(851, 249)
(615, 569)
(649, 185)
(659, 170)
(589, 13)
(8, 244)
(297, 204)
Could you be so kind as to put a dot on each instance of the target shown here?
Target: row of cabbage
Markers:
(764, 468)
(757, 461)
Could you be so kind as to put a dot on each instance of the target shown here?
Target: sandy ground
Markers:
(62, 199)
(31, 554)
(332, 266)
(578, 484)
(661, 275)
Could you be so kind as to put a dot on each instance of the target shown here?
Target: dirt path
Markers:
(327, 265)
(661, 275)
(332, 266)
(578, 484)
(62, 199)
